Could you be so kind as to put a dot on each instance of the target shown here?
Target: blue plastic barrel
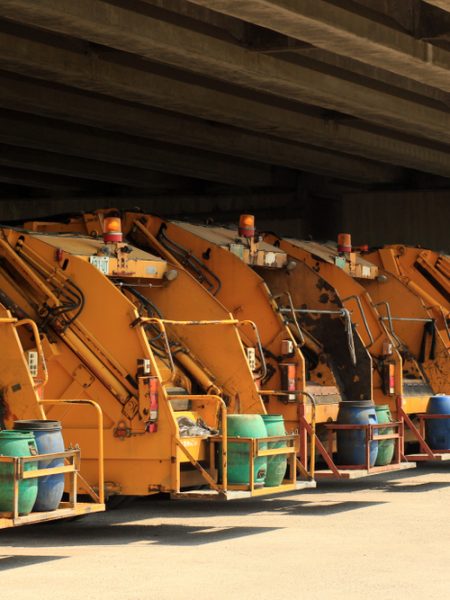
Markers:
(351, 443)
(49, 439)
(437, 431)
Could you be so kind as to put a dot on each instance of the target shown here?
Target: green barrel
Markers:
(276, 465)
(385, 447)
(245, 426)
(17, 443)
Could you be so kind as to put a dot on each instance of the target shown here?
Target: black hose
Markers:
(146, 302)
(189, 260)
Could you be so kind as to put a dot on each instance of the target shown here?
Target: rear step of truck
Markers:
(240, 494)
(358, 473)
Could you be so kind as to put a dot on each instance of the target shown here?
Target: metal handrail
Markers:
(258, 343)
(389, 320)
(21, 474)
(363, 315)
(223, 416)
(100, 497)
(444, 316)
(161, 323)
(30, 323)
(312, 451)
(343, 312)
(292, 311)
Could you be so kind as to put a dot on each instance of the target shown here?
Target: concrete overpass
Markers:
(289, 107)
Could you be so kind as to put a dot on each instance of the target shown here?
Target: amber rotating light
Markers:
(344, 242)
(112, 230)
(246, 226)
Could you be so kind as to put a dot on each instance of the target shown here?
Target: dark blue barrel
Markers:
(351, 443)
(437, 431)
(48, 440)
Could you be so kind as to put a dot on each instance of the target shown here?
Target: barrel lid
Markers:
(381, 406)
(273, 417)
(37, 425)
(11, 433)
(357, 403)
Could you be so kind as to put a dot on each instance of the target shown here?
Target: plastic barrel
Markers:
(437, 431)
(386, 448)
(276, 465)
(351, 443)
(17, 443)
(245, 426)
(48, 439)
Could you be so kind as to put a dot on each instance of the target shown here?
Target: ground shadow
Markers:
(11, 561)
(387, 482)
(314, 505)
(419, 488)
(86, 534)
(433, 467)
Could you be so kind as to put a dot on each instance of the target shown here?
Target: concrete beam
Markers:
(64, 103)
(117, 27)
(442, 4)
(42, 181)
(71, 166)
(21, 130)
(367, 73)
(170, 205)
(91, 72)
(415, 217)
(201, 19)
(346, 33)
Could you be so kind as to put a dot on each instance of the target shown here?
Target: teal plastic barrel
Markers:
(386, 448)
(276, 465)
(245, 426)
(17, 443)
(49, 439)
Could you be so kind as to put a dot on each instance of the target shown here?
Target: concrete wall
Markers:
(414, 218)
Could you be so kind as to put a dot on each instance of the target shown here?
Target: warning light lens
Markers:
(344, 242)
(112, 224)
(247, 226)
(112, 230)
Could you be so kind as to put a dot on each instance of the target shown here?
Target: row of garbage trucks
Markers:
(145, 356)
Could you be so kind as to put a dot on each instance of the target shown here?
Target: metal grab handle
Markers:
(389, 320)
(350, 334)
(363, 315)
(100, 498)
(258, 343)
(160, 324)
(411, 319)
(292, 310)
(343, 312)
(173, 322)
(223, 415)
(312, 451)
(40, 350)
(445, 317)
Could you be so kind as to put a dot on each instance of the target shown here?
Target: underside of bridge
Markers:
(317, 115)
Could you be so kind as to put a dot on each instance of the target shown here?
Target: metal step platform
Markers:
(65, 511)
(358, 473)
(240, 494)
(438, 456)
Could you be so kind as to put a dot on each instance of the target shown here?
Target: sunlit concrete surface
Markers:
(377, 537)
